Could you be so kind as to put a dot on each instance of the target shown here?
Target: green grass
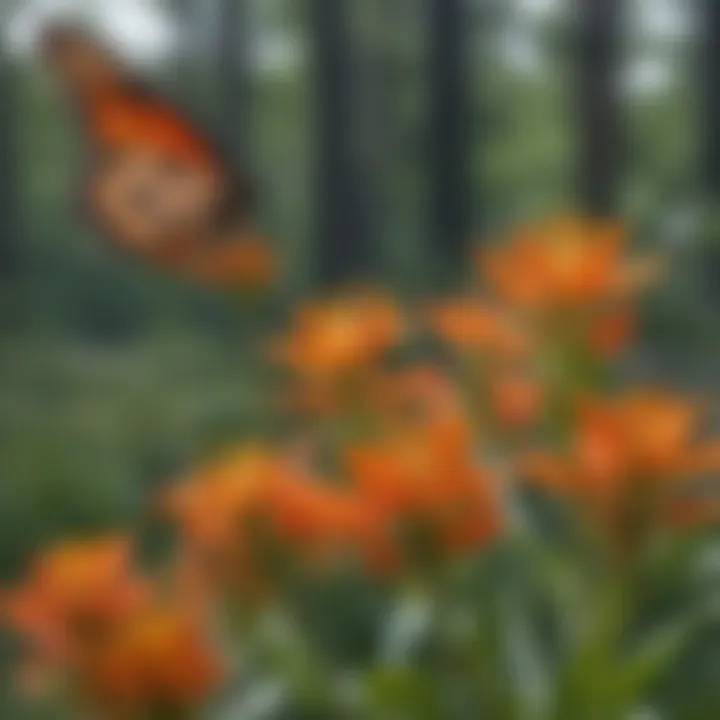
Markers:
(88, 433)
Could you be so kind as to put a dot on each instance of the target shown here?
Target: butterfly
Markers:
(155, 183)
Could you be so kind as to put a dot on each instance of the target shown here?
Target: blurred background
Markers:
(385, 136)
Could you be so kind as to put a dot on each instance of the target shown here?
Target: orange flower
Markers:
(640, 433)
(241, 511)
(314, 518)
(426, 478)
(472, 326)
(628, 452)
(158, 660)
(691, 513)
(611, 332)
(76, 592)
(564, 263)
(412, 394)
(341, 334)
(516, 399)
(316, 396)
(210, 505)
(417, 396)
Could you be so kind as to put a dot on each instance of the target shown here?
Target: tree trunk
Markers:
(709, 146)
(601, 140)
(449, 146)
(344, 253)
(710, 58)
(9, 164)
(188, 26)
(235, 51)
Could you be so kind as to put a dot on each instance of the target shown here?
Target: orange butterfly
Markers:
(155, 183)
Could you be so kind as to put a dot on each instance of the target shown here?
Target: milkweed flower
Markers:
(75, 593)
(250, 513)
(610, 332)
(698, 511)
(565, 263)
(341, 334)
(472, 326)
(159, 660)
(516, 399)
(573, 285)
(417, 395)
(628, 456)
(91, 623)
(503, 383)
(427, 491)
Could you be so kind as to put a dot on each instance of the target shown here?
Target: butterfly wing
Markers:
(154, 179)
(156, 183)
(161, 188)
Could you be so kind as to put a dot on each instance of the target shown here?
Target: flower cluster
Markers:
(246, 518)
(413, 439)
(629, 458)
(123, 646)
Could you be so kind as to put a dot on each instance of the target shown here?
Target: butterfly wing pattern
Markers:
(155, 183)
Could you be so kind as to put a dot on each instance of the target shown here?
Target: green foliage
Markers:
(114, 378)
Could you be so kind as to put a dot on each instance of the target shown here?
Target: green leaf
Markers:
(403, 693)
(648, 663)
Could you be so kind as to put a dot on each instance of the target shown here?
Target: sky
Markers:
(142, 30)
